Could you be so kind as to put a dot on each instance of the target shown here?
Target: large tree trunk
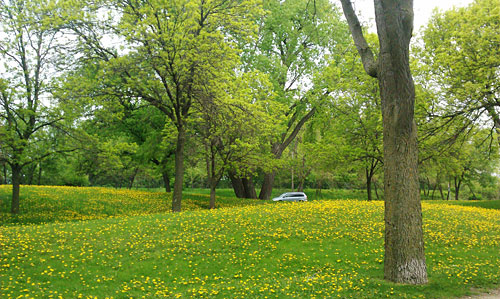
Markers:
(237, 183)
(243, 187)
(267, 185)
(249, 188)
(404, 245)
(16, 181)
(179, 169)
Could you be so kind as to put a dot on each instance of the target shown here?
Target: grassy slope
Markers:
(321, 248)
(45, 204)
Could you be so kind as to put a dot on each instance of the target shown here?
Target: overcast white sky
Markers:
(422, 10)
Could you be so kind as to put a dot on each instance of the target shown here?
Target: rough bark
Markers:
(16, 181)
(267, 186)
(404, 246)
(179, 169)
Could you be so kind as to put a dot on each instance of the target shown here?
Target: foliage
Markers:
(461, 57)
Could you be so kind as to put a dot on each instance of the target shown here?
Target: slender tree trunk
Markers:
(449, 191)
(132, 179)
(166, 181)
(441, 192)
(457, 182)
(212, 196)
(16, 181)
(369, 174)
(267, 186)
(179, 169)
(433, 191)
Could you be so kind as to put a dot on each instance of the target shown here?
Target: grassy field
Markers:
(323, 248)
(46, 204)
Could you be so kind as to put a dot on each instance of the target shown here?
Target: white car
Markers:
(291, 196)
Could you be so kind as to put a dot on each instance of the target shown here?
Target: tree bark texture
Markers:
(267, 185)
(16, 182)
(404, 246)
(243, 187)
(179, 169)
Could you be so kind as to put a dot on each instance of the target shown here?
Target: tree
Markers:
(172, 48)
(461, 56)
(294, 38)
(30, 47)
(404, 246)
(231, 121)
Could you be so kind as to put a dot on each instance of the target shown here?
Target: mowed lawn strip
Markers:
(302, 250)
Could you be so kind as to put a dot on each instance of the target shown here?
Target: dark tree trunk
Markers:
(369, 175)
(132, 179)
(16, 181)
(267, 186)
(369, 188)
(441, 191)
(249, 188)
(166, 181)
(449, 191)
(404, 244)
(212, 196)
(179, 169)
(237, 183)
(457, 183)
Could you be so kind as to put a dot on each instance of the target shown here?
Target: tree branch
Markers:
(369, 63)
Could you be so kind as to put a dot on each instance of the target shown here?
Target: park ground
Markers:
(101, 242)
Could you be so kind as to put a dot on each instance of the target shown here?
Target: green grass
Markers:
(486, 204)
(46, 204)
(329, 248)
